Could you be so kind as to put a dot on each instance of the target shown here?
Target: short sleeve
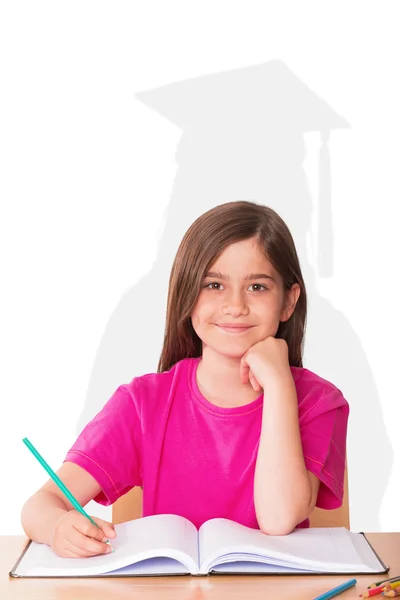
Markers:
(323, 436)
(109, 447)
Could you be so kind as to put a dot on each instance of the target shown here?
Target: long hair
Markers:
(200, 247)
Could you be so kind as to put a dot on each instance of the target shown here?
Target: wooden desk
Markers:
(229, 587)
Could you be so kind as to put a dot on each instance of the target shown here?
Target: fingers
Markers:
(107, 527)
(102, 532)
(244, 372)
(75, 536)
(246, 376)
(256, 386)
(82, 545)
(83, 525)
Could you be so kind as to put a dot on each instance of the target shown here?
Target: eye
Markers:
(259, 286)
(215, 283)
(212, 283)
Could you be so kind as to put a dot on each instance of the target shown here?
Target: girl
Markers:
(231, 425)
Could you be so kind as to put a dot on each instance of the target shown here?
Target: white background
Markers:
(89, 173)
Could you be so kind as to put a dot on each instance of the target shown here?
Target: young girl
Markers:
(231, 425)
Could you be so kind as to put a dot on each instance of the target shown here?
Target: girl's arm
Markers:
(284, 491)
(42, 510)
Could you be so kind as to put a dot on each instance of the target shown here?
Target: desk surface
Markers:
(229, 587)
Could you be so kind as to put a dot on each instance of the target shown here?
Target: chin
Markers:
(233, 349)
(231, 355)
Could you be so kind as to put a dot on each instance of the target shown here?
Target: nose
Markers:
(235, 304)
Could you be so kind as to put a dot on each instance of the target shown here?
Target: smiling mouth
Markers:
(232, 329)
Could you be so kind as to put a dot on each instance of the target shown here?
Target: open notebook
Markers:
(171, 545)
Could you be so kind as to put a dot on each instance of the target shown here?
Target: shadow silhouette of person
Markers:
(243, 139)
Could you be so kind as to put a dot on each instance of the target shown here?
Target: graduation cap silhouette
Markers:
(265, 102)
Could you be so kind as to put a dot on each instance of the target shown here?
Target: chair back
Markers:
(339, 517)
(129, 507)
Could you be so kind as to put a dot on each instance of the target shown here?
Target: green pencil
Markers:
(58, 482)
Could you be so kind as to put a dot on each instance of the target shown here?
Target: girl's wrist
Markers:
(281, 395)
(278, 381)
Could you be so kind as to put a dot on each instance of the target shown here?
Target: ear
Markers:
(291, 297)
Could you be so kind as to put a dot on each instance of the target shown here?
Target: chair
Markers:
(129, 507)
(339, 517)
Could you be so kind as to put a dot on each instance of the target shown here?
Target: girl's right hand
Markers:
(74, 536)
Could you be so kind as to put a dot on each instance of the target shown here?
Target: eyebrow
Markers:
(219, 275)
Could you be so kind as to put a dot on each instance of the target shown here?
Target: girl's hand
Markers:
(74, 536)
(265, 361)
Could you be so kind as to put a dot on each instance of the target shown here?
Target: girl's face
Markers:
(241, 288)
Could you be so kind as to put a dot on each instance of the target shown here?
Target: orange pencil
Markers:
(390, 586)
(392, 593)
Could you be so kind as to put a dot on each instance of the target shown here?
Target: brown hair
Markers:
(201, 245)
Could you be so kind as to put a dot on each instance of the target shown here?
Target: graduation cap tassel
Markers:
(324, 228)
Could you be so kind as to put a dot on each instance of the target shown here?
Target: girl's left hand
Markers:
(265, 361)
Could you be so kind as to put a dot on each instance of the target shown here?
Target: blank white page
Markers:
(158, 535)
(317, 548)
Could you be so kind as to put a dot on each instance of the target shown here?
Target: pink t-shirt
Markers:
(198, 460)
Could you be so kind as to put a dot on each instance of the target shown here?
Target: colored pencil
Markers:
(337, 590)
(373, 592)
(397, 578)
(58, 482)
(390, 586)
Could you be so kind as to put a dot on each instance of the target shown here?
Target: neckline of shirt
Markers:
(232, 411)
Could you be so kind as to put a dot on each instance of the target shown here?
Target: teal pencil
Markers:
(58, 481)
(337, 590)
